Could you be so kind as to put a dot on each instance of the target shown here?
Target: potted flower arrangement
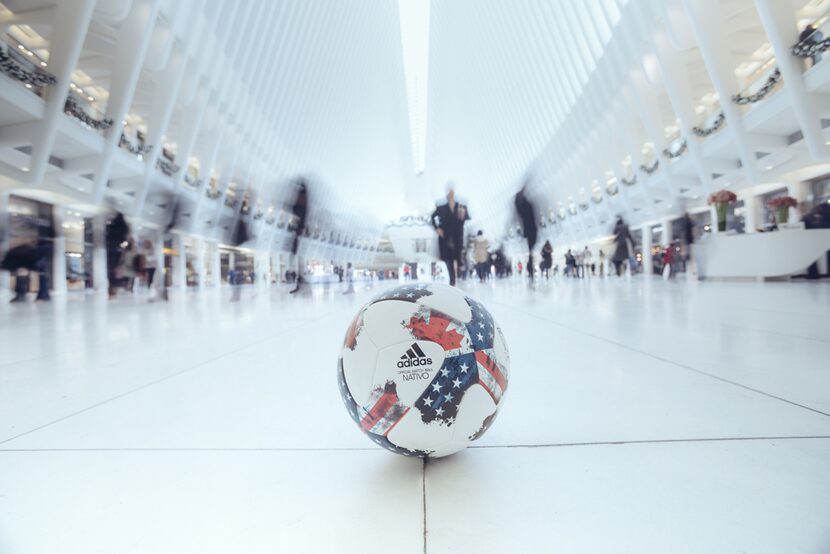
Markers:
(721, 199)
(782, 206)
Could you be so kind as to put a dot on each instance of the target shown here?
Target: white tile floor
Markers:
(642, 416)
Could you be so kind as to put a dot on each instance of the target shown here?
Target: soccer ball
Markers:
(423, 370)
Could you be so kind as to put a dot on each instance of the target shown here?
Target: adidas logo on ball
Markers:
(413, 357)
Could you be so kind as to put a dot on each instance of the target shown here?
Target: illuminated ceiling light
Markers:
(21, 47)
(414, 20)
(24, 169)
(91, 99)
(43, 64)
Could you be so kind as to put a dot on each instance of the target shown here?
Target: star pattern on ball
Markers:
(442, 397)
(480, 328)
(405, 293)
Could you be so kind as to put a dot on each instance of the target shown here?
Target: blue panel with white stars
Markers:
(441, 398)
(481, 329)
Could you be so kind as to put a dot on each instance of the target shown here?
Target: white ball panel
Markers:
(448, 300)
(414, 434)
(359, 368)
(384, 322)
(474, 409)
(501, 352)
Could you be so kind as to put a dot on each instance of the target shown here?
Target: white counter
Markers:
(775, 254)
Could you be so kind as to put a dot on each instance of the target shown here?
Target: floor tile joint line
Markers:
(666, 360)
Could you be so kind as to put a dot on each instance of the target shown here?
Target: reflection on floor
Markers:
(642, 416)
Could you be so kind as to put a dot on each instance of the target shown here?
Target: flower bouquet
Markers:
(721, 199)
(782, 206)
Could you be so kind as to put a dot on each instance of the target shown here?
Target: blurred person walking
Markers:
(687, 245)
(45, 254)
(623, 252)
(668, 260)
(586, 260)
(116, 234)
(527, 215)
(482, 256)
(349, 279)
(150, 264)
(299, 209)
(547, 259)
(463, 216)
(446, 220)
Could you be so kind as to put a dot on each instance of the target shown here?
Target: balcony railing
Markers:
(762, 83)
(19, 68)
(711, 128)
(75, 108)
(167, 167)
(191, 181)
(139, 151)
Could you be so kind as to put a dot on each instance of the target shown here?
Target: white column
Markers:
(231, 261)
(132, 41)
(215, 265)
(179, 262)
(751, 214)
(648, 265)
(779, 22)
(261, 268)
(99, 253)
(70, 24)
(712, 36)
(5, 229)
(677, 86)
(668, 235)
(59, 252)
(158, 249)
(275, 267)
(201, 267)
(161, 110)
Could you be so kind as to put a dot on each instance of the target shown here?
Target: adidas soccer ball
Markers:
(423, 370)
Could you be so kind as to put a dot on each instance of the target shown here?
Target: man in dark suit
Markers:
(445, 220)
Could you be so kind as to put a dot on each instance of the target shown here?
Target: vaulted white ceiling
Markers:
(500, 83)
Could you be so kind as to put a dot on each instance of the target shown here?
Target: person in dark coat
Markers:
(463, 216)
(300, 210)
(116, 237)
(547, 258)
(810, 36)
(688, 240)
(527, 215)
(622, 238)
(45, 250)
(445, 221)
